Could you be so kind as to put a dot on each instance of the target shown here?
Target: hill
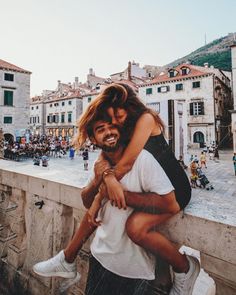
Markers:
(216, 53)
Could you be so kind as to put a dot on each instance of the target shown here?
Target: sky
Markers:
(62, 39)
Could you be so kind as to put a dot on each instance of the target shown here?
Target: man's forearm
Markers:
(152, 202)
(142, 201)
(89, 192)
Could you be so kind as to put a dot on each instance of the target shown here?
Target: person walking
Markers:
(85, 155)
(71, 153)
(203, 160)
(234, 163)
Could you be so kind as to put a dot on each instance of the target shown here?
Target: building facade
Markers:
(193, 101)
(233, 112)
(14, 100)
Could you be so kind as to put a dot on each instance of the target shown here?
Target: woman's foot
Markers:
(56, 267)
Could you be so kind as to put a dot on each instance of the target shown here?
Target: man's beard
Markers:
(110, 149)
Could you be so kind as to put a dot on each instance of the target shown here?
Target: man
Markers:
(119, 266)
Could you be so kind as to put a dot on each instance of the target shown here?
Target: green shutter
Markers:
(8, 98)
(191, 108)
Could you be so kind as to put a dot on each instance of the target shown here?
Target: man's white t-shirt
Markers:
(111, 245)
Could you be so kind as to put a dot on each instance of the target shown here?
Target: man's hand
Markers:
(115, 192)
(99, 167)
(93, 211)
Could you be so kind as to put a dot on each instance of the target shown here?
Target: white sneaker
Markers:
(56, 267)
(184, 282)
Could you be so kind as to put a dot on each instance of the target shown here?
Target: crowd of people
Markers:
(37, 146)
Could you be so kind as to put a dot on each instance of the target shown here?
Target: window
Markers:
(197, 108)
(171, 74)
(55, 118)
(7, 120)
(8, 77)
(8, 98)
(50, 105)
(69, 102)
(63, 103)
(69, 117)
(196, 84)
(32, 108)
(179, 87)
(154, 106)
(38, 119)
(49, 119)
(37, 107)
(184, 71)
(163, 89)
(149, 91)
(62, 118)
(89, 99)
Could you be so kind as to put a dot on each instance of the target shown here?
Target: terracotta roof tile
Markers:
(195, 71)
(4, 65)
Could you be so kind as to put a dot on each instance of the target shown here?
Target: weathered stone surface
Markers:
(43, 232)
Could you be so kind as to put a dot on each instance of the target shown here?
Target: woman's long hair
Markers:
(116, 95)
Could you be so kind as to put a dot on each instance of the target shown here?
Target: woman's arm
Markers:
(144, 128)
(88, 193)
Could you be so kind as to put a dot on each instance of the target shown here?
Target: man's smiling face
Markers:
(106, 136)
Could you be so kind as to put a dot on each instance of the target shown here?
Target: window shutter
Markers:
(202, 108)
(191, 108)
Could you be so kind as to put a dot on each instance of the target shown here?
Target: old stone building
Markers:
(233, 112)
(200, 95)
(14, 100)
(55, 112)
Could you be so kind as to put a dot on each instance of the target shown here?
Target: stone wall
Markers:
(29, 234)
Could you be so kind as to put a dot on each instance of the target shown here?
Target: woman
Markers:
(143, 129)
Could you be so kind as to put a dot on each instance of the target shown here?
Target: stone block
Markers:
(70, 196)
(217, 268)
(7, 178)
(38, 186)
(20, 181)
(16, 256)
(53, 191)
(6, 237)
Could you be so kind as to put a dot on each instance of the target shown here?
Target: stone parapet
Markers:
(29, 234)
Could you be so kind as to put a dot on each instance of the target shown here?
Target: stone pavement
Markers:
(220, 174)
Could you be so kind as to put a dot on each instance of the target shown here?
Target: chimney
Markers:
(129, 71)
(59, 88)
(76, 82)
(91, 72)
(206, 65)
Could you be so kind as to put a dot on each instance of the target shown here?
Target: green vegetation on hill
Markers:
(216, 53)
(220, 60)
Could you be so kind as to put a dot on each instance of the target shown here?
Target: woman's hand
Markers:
(99, 167)
(115, 191)
(93, 211)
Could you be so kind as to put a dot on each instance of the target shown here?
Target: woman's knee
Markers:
(136, 228)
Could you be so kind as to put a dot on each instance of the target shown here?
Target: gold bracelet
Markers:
(107, 172)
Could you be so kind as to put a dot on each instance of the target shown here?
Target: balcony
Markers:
(29, 234)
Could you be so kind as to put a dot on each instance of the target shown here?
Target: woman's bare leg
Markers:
(80, 237)
(140, 227)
